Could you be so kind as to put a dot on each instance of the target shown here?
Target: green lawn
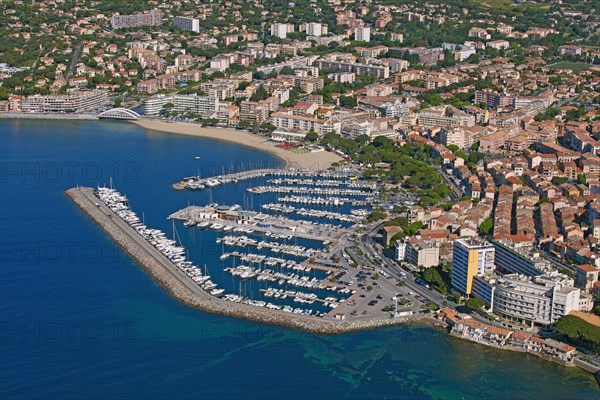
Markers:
(494, 3)
(575, 66)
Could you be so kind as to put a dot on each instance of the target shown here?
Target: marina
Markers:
(197, 183)
(325, 201)
(168, 247)
(266, 269)
(354, 217)
(308, 189)
(230, 218)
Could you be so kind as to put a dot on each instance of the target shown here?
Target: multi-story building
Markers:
(380, 71)
(540, 300)
(520, 260)
(362, 34)
(281, 30)
(297, 62)
(202, 105)
(304, 123)
(444, 117)
(74, 101)
(422, 253)
(187, 24)
(494, 99)
(471, 257)
(220, 90)
(151, 18)
(314, 29)
(587, 276)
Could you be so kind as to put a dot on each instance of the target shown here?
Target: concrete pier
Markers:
(188, 292)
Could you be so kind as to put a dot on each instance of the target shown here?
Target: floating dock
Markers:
(263, 223)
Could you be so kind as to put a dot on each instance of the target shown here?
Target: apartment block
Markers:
(471, 257)
(151, 18)
(187, 24)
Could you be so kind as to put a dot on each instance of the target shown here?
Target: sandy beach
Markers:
(315, 161)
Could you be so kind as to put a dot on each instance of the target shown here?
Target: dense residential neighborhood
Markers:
(488, 117)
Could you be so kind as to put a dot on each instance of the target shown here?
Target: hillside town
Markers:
(488, 117)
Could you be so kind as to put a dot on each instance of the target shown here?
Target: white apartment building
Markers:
(540, 300)
(444, 117)
(314, 29)
(187, 24)
(74, 101)
(281, 30)
(304, 123)
(524, 260)
(362, 34)
(203, 105)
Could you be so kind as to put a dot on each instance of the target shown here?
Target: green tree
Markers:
(579, 332)
(487, 226)
(312, 135)
(474, 303)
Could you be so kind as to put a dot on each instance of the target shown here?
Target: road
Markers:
(74, 62)
(391, 267)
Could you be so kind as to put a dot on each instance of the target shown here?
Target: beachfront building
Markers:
(304, 123)
(74, 101)
(151, 18)
(471, 257)
(187, 24)
(191, 103)
(539, 300)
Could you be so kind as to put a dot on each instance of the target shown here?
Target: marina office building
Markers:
(203, 105)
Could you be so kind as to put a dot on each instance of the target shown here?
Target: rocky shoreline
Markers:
(203, 301)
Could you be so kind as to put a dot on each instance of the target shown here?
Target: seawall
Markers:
(188, 292)
(72, 116)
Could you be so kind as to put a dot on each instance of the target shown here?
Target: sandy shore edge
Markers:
(316, 161)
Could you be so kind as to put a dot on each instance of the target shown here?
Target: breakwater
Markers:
(188, 292)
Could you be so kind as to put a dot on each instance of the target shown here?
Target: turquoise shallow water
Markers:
(79, 319)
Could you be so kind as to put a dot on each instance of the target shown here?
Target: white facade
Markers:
(187, 24)
(203, 105)
(400, 250)
(314, 29)
(542, 300)
(279, 30)
(362, 34)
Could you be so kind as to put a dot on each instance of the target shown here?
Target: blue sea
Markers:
(80, 320)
